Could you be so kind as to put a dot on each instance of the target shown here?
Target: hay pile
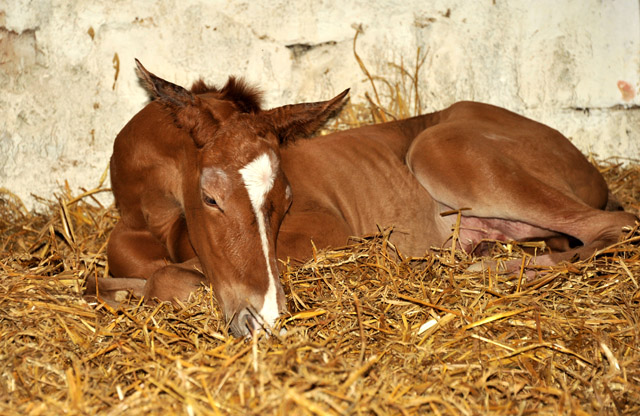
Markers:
(370, 332)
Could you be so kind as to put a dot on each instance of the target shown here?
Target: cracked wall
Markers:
(67, 84)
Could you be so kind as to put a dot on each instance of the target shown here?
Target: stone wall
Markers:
(67, 84)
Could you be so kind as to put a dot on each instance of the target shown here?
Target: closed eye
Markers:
(209, 201)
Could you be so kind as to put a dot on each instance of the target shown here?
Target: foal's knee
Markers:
(172, 283)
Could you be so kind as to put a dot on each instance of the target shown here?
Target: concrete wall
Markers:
(67, 84)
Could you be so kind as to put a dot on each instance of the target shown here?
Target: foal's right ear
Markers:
(164, 90)
(186, 107)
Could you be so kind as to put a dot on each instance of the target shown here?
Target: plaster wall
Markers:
(67, 84)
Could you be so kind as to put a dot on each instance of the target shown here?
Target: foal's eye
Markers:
(209, 201)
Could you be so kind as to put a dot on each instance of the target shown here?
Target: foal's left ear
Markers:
(301, 120)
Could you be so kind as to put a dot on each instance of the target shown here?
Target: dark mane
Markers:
(200, 87)
(247, 98)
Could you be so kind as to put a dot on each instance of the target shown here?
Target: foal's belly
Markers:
(393, 201)
(415, 221)
(355, 186)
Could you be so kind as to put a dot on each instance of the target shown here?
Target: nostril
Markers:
(251, 323)
(245, 323)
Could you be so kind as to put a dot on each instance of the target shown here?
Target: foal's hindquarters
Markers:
(521, 179)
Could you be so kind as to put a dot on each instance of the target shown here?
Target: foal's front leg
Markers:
(141, 264)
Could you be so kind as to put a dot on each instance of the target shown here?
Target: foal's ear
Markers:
(186, 107)
(171, 94)
(301, 120)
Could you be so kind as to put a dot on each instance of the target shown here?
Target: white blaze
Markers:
(258, 177)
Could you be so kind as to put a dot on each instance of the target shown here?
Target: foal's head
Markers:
(236, 195)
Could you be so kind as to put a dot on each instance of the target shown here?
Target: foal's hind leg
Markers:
(513, 195)
(141, 265)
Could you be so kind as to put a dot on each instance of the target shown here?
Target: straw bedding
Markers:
(370, 331)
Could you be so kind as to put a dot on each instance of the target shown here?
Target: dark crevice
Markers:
(299, 49)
